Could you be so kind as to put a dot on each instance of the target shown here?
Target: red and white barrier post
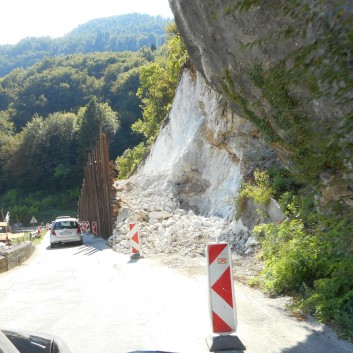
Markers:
(134, 235)
(221, 299)
(94, 229)
(87, 227)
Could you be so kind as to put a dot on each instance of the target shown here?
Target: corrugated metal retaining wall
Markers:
(95, 202)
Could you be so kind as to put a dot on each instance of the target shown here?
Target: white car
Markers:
(65, 230)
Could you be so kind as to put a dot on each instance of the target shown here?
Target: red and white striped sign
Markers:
(87, 227)
(94, 229)
(135, 238)
(221, 288)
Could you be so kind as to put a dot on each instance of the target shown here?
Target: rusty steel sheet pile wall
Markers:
(95, 198)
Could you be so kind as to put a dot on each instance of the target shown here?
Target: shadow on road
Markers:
(315, 343)
(91, 245)
(133, 259)
(87, 250)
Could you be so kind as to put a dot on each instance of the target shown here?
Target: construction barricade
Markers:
(221, 299)
(134, 235)
(94, 229)
(87, 227)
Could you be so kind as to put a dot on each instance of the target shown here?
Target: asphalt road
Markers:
(103, 302)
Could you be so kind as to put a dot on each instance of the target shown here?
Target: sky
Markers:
(54, 18)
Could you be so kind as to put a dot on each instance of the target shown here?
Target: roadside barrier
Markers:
(88, 227)
(85, 228)
(94, 229)
(221, 299)
(134, 235)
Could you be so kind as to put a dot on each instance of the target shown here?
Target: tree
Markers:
(156, 93)
(91, 118)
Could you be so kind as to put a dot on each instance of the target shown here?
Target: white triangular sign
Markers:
(33, 220)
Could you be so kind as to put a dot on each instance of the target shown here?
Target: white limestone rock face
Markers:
(205, 149)
(183, 196)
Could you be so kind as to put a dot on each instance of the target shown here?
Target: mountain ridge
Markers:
(129, 32)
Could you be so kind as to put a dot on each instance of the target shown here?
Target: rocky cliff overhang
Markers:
(277, 66)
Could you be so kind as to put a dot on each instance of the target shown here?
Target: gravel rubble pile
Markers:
(175, 235)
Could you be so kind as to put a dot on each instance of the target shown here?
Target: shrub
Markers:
(128, 162)
(261, 192)
(291, 256)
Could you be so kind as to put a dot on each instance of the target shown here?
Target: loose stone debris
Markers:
(174, 234)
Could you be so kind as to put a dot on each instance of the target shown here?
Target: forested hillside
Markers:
(115, 34)
(51, 113)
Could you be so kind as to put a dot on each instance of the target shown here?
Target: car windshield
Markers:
(65, 225)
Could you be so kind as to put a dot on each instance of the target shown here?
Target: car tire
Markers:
(80, 242)
(52, 245)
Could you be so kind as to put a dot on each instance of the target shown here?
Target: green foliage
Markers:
(39, 149)
(261, 191)
(39, 145)
(67, 83)
(282, 181)
(93, 118)
(310, 255)
(45, 207)
(125, 100)
(291, 255)
(158, 83)
(128, 162)
(6, 126)
(331, 299)
(156, 92)
(178, 55)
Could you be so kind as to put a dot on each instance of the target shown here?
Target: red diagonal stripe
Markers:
(135, 238)
(134, 251)
(219, 325)
(214, 250)
(223, 287)
(131, 225)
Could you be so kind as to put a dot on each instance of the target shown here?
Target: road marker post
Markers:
(221, 299)
(94, 229)
(134, 235)
(87, 227)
